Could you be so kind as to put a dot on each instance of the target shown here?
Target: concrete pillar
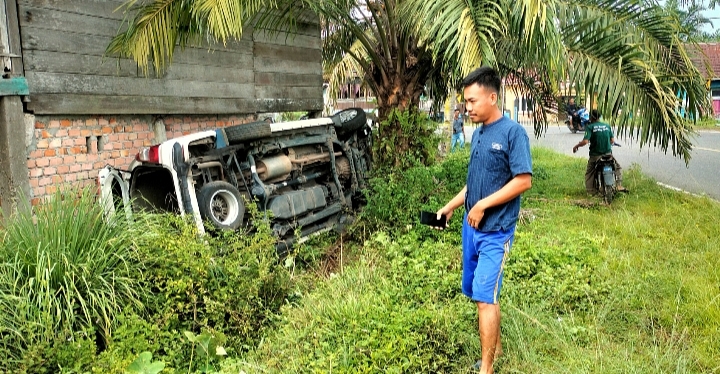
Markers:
(158, 127)
(14, 182)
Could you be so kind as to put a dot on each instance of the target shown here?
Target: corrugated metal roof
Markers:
(712, 52)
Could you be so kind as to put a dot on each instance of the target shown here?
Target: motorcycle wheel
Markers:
(608, 193)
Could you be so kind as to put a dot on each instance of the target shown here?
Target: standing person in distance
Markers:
(500, 170)
(601, 139)
(458, 127)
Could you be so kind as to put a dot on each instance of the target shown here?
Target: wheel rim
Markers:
(224, 207)
(347, 115)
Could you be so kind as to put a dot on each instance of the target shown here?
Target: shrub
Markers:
(66, 272)
(227, 282)
(405, 139)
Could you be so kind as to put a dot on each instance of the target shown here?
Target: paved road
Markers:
(702, 176)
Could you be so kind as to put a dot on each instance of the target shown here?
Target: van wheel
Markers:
(221, 204)
(248, 131)
(349, 120)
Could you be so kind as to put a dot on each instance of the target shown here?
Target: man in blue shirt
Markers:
(458, 127)
(500, 171)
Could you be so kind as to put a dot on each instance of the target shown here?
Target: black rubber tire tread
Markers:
(248, 131)
(608, 193)
(205, 204)
(354, 124)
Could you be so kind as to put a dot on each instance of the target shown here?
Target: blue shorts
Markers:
(484, 256)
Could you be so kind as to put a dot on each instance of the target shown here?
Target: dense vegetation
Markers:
(627, 288)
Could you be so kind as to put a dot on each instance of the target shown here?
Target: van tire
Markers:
(349, 120)
(221, 204)
(248, 131)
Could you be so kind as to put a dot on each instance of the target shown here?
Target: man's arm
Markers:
(582, 144)
(453, 204)
(513, 189)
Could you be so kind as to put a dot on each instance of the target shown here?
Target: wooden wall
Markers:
(63, 42)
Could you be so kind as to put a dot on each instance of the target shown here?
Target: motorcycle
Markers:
(605, 181)
(578, 120)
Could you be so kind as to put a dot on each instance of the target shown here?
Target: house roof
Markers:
(712, 53)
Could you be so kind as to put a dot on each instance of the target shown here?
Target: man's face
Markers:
(457, 114)
(480, 102)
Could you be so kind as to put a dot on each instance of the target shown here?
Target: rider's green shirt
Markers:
(599, 135)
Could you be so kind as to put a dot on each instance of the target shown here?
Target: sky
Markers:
(714, 16)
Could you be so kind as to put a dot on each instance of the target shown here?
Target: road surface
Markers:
(701, 176)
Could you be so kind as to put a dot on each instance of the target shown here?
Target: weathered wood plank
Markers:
(68, 21)
(292, 93)
(270, 65)
(61, 62)
(286, 52)
(283, 38)
(288, 80)
(83, 44)
(104, 85)
(14, 41)
(102, 8)
(46, 104)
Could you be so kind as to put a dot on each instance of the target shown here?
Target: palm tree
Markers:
(626, 53)
(366, 39)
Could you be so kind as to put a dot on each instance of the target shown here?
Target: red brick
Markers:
(68, 142)
(124, 153)
(36, 172)
(74, 132)
(70, 177)
(61, 133)
(49, 153)
(43, 144)
(34, 181)
(50, 171)
(137, 143)
(116, 154)
(82, 175)
(112, 120)
(39, 125)
(30, 164)
(103, 121)
(80, 141)
(61, 151)
(98, 165)
(44, 181)
(55, 143)
(54, 124)
(132, 136)
(74, 168)
(44, 134)
(106, 130)
(87, 166)
(42, 162)
(55, 161)
(50, 190)
(85, 133)
(65, 123)
(67, 160)
(91, 122)
(63, 169)
(37, 191)
(57, 179)
(92, 157)
(81, 158)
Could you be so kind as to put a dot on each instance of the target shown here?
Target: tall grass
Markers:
(65, 269)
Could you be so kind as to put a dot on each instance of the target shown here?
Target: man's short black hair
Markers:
(594, 115)
(484, 76)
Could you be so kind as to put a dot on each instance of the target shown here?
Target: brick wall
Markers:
(73, 150)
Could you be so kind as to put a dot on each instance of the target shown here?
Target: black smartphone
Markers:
(430, 219)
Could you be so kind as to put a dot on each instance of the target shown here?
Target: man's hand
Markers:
(475, 215)
(448, 213)
(575, 148)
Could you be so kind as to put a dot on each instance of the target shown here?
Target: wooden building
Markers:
(67, 110)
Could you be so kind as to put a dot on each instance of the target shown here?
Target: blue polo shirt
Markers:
(499, 152)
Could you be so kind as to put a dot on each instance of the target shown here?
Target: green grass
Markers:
(626, 288)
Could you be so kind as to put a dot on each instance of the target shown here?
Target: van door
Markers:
(115, 191)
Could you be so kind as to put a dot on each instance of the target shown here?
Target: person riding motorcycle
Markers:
(601, 139)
